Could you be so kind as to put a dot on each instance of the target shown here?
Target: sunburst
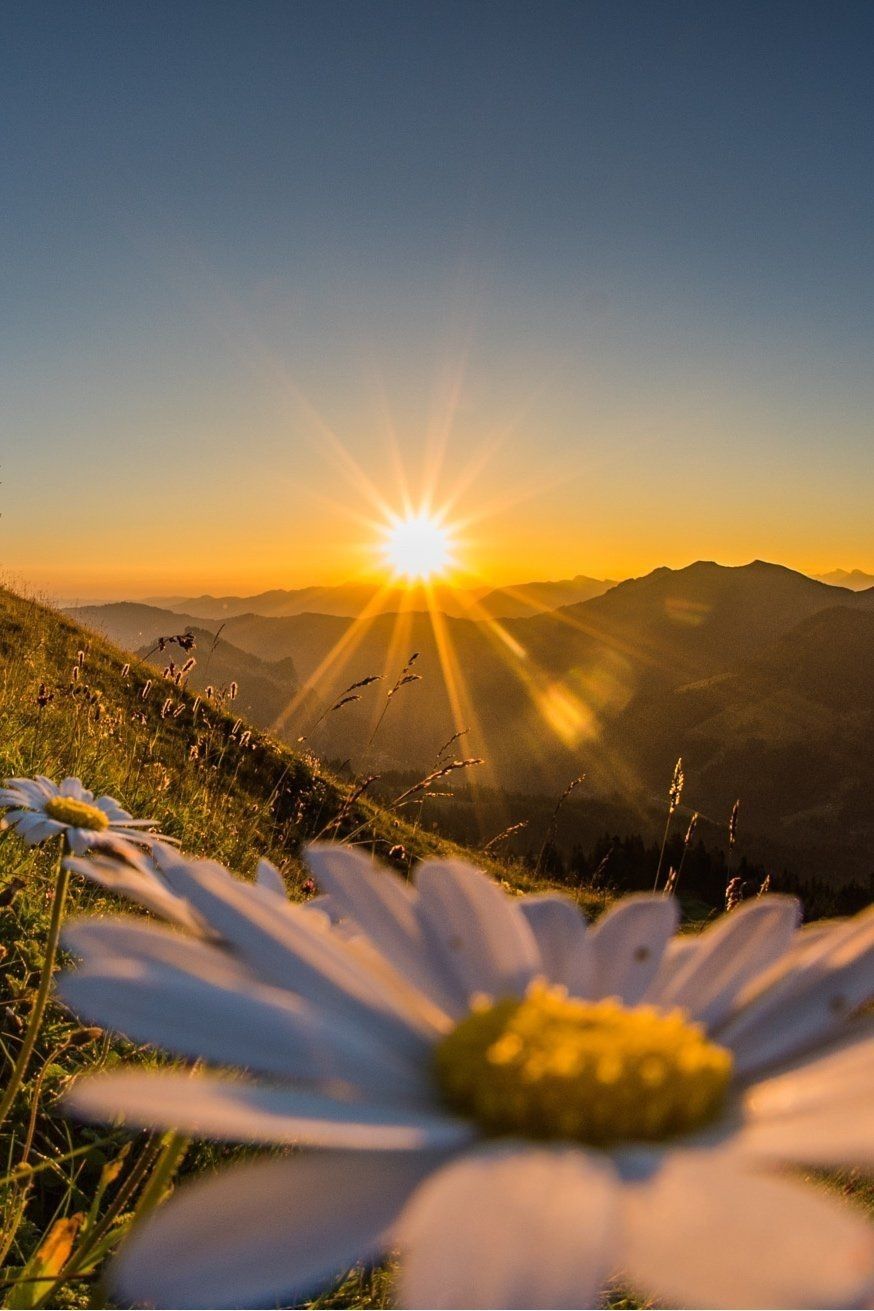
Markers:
(418, 547)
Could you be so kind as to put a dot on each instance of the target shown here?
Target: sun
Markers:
(418, 547)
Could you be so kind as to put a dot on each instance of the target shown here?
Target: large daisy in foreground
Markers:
(523, 1107)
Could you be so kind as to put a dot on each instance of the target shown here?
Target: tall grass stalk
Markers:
(62, 879)
(553, 821)
(675, 792)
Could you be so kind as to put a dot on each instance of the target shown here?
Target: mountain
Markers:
(132, 624)
(533, 598)
(854, 579)
(618, 685)
(788, 730)
(349, 600)
(544, 682)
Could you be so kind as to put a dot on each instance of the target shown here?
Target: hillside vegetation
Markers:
(72, 704)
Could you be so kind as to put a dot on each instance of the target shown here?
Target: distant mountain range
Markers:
(352, 599)
(855, 579)
(762, 678)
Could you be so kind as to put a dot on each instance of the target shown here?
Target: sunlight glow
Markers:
(418, 547)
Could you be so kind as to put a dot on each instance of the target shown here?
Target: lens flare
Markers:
(418, 547)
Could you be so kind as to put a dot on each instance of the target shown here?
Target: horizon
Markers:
(395, 584)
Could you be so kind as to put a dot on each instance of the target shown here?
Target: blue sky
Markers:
(628, 243)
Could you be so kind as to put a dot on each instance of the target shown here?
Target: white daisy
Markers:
(38, 809)
(523, 1106)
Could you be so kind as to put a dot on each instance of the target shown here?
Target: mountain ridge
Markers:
(349, 600)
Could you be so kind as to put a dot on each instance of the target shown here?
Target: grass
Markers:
(70, 703)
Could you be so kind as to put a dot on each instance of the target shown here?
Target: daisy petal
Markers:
(139, 884)
(477, 931)
(677, 954)
(562, 937)
(267, 1234)
(807, 1004)
(512, 1226)
(20, 817)
(819, 1112)
(30, 790)
(121, 844)
(38, 829)
(731, 952)
(837, 1134)
(80, 839)
(803, 1085)
(285, 946)
(708, 1231)
(190, 998)
(628, 943)
(268, 876)
(113, 809)
(204, 1106)
(383, 906)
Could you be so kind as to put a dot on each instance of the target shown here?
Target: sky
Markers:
(595, 280)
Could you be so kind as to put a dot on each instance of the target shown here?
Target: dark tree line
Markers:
(627, 864)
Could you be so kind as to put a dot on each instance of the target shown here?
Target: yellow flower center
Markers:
(78, 814)
(548, 1066)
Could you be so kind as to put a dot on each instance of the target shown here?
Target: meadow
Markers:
(71, 704)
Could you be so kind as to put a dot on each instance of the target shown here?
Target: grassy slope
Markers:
(225, 793)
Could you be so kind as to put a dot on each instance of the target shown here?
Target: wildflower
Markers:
(522, 1105)
(38, 809)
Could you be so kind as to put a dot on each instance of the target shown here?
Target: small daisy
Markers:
(38, 809)
(524, 1107)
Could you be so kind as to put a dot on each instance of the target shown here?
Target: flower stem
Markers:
(42, 995)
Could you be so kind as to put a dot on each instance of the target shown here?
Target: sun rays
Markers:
(422, 533)
(419, 550)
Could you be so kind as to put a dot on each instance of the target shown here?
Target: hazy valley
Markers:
(760, 677)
